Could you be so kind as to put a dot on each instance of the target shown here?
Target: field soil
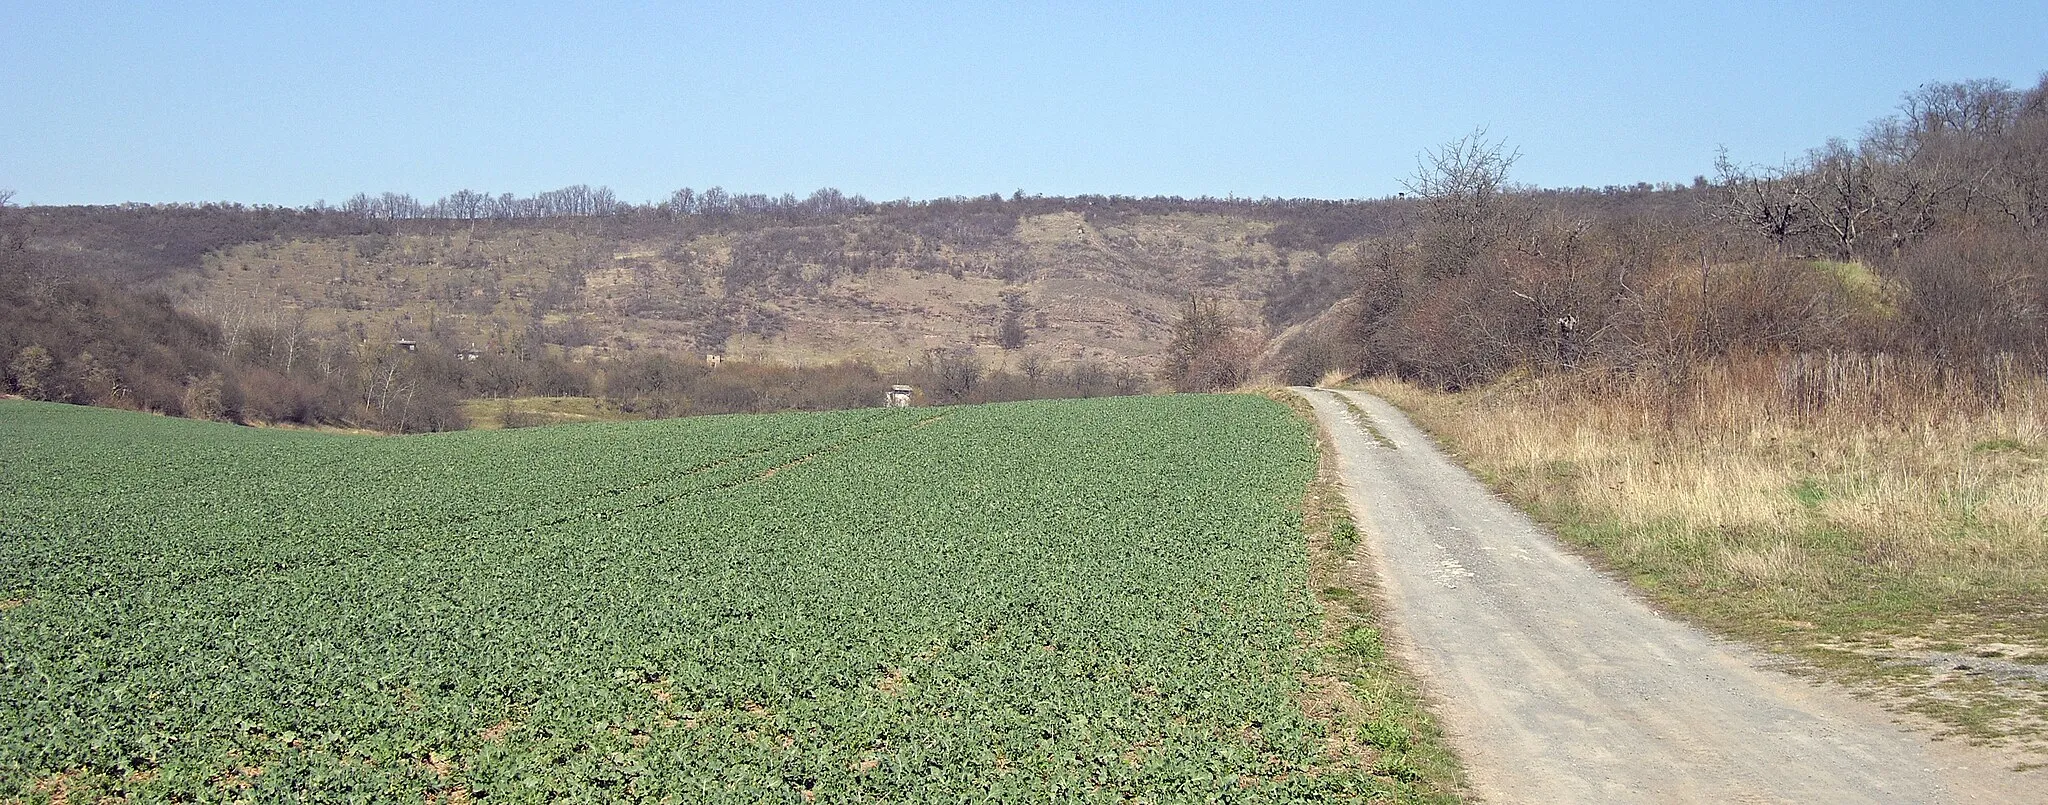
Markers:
(1558, 684)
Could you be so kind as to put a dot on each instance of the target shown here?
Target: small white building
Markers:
(898, 396)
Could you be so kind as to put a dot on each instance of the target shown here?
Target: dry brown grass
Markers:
(1877, 516)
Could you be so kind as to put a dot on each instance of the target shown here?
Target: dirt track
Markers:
(1558, 685)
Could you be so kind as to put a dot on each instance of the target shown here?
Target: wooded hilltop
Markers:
(1918, 244)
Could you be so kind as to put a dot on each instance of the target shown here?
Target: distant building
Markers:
(898, 396)
(408, 344)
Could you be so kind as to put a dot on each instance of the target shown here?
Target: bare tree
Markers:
(1912, 181)
(288, 338)
(1980, 107)
(1888, 189)
(30, 369)
(681, 203)
(2018, 183)
(1463, 186)
(1836, 188)
(1760, 200)
(715, 201)
(1207, 353)
(462, 205)
(957, 371)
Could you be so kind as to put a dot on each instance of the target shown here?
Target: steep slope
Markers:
(1060, 286)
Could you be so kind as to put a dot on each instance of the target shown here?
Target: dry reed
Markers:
(1873, 493)
(1886, 520)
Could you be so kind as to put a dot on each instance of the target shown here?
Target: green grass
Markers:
(1871, 294)
(526, 412)
(1379, 720)
(1365, 423)
(1343, 537)
(2000, 445)
(1062, 600)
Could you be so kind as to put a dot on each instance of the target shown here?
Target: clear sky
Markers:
(289, 102)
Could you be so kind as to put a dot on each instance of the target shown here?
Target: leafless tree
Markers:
(1761, 200)
(715, 201)
(1983, 106)
(462, 205)
(1836, 189)
(1207, 352)
(957, 371)
(1912, 183)
(2018, 184)
(681, 203)
(1463, 186)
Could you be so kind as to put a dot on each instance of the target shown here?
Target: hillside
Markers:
(1922, 240)
(1060, 280)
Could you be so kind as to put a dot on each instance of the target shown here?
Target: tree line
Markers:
(1924, 238)
(80, 338)
(827, 203)
(82, 323)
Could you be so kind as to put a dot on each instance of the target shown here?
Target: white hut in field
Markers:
(898, 396)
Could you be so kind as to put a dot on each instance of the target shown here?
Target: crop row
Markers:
(1070, 599)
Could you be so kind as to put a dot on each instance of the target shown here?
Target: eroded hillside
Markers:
(1053, 286)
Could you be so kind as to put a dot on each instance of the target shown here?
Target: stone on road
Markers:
(1557, 684)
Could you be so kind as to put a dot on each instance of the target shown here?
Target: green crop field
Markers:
(1098, 599)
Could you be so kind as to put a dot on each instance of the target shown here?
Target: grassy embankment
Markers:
(1373, 705)
(1888, 529)
(527, 412)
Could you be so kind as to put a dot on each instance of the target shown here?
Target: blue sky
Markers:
(286, 103)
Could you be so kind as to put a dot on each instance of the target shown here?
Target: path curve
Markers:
(1557, 684)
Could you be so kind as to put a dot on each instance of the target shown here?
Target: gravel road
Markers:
(1558, 685)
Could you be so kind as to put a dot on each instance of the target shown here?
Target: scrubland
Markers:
(1881, 520)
